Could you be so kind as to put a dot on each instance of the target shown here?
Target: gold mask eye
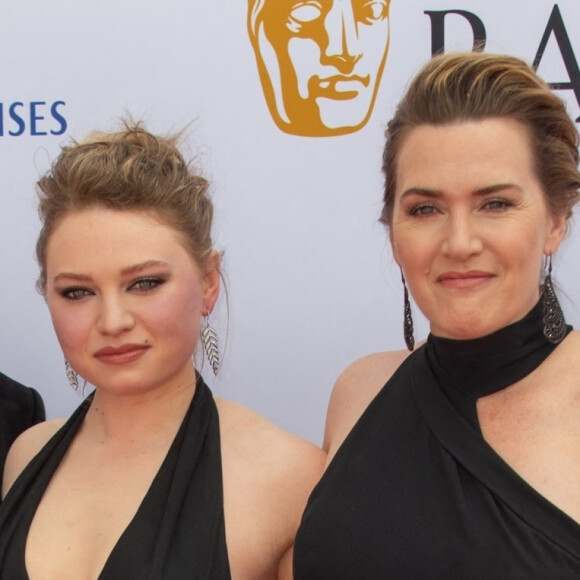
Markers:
(303, 13)
(372, 11)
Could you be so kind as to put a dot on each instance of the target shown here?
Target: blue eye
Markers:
(146, 284)
(497, 204)
(423, 210)
(75, 293)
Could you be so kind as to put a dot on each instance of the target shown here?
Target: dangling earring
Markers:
(209, 340)
(553, 319)
(71, 375)
(408, 319)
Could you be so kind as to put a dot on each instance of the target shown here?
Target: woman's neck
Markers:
(137, 420)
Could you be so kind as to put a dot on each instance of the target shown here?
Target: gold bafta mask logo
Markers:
(320, 61)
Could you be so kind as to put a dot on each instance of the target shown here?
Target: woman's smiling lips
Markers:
(121, 354)
(464, 280)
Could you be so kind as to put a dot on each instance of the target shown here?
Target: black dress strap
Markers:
(416, 493)
(178, 531)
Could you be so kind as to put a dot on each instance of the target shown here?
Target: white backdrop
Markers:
(311, 280)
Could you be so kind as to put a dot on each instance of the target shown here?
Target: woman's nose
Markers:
(462, 239)
(114, 316)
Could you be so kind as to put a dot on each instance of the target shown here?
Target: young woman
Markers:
(151, 478)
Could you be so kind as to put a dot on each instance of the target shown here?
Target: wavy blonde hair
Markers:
(127, 170)
(473, 86)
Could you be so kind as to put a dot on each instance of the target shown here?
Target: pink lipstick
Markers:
(122, 354)
(464, 280)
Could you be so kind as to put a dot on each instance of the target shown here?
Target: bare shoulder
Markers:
(26, 446)
(268, 475)
(255, 437)
(353, 391)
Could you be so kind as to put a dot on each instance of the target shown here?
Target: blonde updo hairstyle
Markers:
(474, 86)
(127, 170)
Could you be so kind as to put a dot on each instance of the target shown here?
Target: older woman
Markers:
(462, 460)
(150, 478)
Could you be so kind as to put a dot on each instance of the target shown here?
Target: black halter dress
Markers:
(415, 492)
(178, 531)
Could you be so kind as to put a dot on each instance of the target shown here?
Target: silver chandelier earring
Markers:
(553, 319)
(71, 375)
(408, 319)
(209, 340)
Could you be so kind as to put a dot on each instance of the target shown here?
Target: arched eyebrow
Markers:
(421, 191)
(72, 276)
(143, 266)
(488, 189)
(133, 269)
(495, 188)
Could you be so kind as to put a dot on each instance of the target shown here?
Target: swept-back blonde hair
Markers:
(473, 86)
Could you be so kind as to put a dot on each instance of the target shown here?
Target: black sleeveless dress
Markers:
(415, 492)
(178, 531)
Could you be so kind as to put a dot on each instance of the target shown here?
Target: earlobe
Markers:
(211, 282)
(394, 250)
(556, 233)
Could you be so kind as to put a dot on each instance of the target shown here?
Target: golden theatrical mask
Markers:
(320, 61)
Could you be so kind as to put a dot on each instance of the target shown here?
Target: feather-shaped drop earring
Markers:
(209, 340)
(71, 375)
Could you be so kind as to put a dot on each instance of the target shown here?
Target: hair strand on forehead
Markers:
(474, 86)
(127, 170)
